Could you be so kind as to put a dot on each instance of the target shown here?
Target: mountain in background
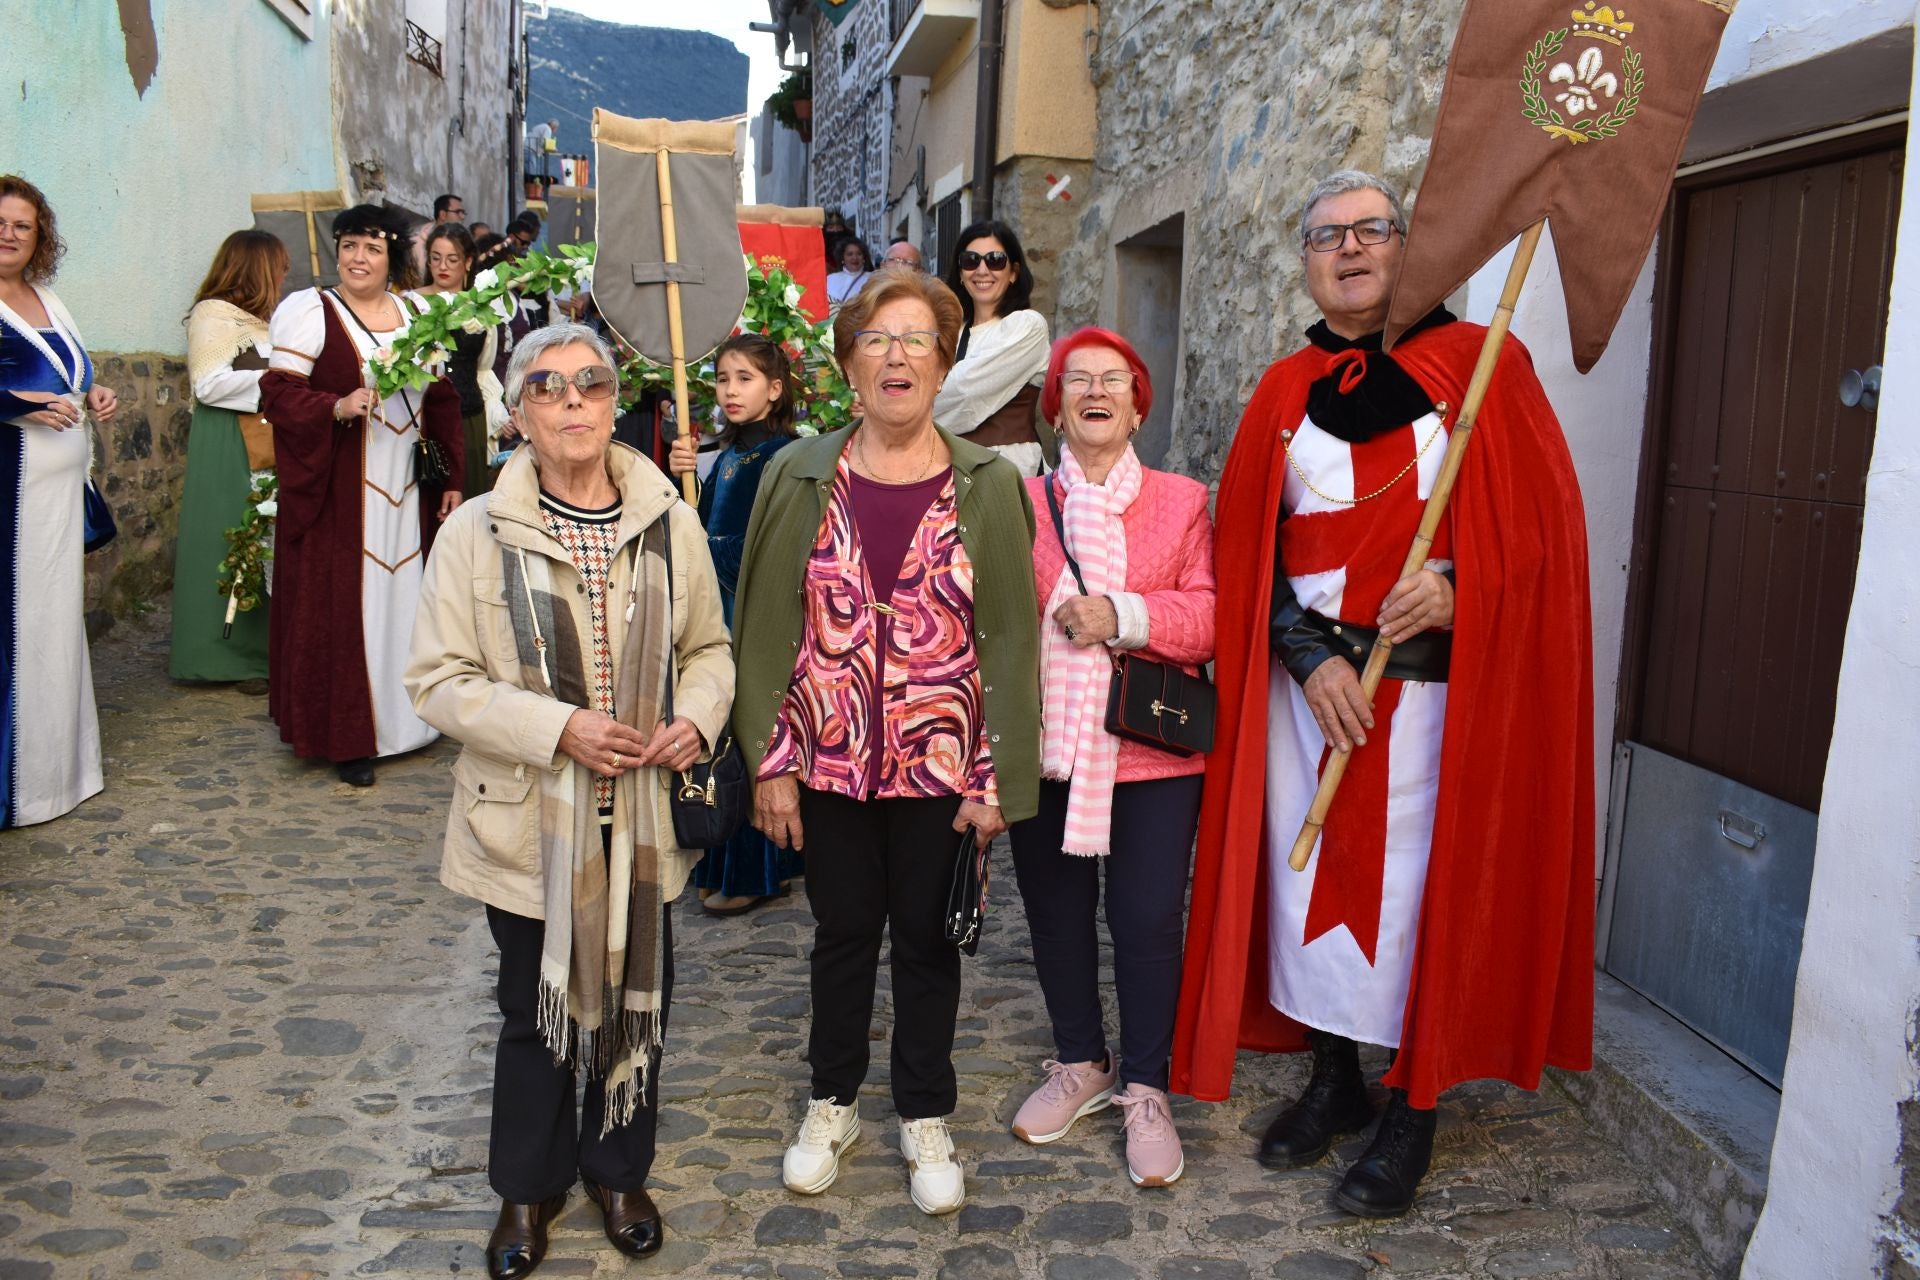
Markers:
(577, 63)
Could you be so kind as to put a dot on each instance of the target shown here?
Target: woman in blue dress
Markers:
(49, 729)
(754, 380)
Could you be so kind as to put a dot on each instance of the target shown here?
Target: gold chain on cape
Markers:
(1440, 416)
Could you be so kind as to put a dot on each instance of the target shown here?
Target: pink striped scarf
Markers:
(1075, 745)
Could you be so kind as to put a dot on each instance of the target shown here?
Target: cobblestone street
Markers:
(248, 1034)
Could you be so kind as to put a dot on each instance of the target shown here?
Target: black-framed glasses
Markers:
(596, 382)
(1327, 238)
(1114, 382)
(995, 260)
(876, 342)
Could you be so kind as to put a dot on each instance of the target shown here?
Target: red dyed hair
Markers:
(1079, 340)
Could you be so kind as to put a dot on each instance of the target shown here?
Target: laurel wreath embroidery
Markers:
(1591, 129)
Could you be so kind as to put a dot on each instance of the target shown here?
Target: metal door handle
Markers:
(1861, 388)
(1744, 832)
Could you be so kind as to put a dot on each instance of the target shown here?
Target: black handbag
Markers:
(432, 467)
(709, 801)
(967, 898)
(1155, 703)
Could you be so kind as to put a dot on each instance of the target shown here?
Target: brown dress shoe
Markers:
(519, 1239)
(633, 1224)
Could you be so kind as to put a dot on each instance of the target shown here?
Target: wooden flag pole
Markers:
(676, 331)
(1429, 526)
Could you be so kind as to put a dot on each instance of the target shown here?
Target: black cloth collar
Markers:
(1380, 396)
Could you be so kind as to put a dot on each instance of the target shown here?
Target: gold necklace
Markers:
(1440, 421)
(933, 439)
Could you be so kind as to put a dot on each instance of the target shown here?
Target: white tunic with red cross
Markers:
(1342, 933)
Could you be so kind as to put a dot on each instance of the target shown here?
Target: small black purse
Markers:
(1155, 703)
(709, 801)
(967, 898)
(432, 467)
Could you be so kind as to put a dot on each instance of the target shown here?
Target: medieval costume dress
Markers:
(1449, 908)
(749, 865)
(227, 351)
(49, 728)
(351, 536)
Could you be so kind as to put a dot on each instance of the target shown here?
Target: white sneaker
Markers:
(813, 1161)
(935, 1180)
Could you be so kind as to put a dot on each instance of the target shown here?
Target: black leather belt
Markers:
(1424, 657)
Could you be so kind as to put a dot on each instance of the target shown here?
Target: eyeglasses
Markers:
(596, 382)
(1325, 239)
(877, 342)
(996, 261)
(1113, 381)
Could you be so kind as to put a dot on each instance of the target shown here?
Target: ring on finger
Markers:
(616, 759)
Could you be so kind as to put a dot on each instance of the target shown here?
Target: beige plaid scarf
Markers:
(601, 960)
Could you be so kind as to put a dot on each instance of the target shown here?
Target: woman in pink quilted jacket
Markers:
(1143, 544)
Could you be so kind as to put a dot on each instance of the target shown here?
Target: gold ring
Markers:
(616, 759)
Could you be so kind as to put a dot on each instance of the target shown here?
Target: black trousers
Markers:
(1146, 870)
(873, 867)
(538, 1147)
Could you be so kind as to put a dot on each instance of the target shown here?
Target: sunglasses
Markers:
(596, 382)
(996, 261)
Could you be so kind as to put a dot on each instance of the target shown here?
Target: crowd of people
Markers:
(912, 629)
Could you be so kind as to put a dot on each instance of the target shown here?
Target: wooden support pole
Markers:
(1436, 508)
(676, 330)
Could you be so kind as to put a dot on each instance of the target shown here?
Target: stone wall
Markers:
(141, 465)
(405, 134)
(852, 120)
(1047, 227)
(1226, 114)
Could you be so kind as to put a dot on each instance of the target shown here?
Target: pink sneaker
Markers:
(1071, 1090)
(1153, 1148)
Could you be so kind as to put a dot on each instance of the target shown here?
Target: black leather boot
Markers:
(519, 1240)
(1383, 1181)
(1334, 1102)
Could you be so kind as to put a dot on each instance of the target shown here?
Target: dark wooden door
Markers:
(1780, 287)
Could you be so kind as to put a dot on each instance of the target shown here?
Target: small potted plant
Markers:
(792, 104)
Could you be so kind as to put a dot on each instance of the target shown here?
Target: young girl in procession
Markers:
(754, 381)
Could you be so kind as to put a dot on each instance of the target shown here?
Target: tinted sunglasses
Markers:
(596, 382)
(996, 261)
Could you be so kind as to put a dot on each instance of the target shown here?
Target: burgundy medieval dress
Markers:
(351, 536)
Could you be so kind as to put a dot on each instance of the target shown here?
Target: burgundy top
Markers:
(885, 518)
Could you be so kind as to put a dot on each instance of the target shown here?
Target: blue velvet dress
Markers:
(749, 865)
(49, 729)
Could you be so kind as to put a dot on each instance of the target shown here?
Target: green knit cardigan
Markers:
(996, 528)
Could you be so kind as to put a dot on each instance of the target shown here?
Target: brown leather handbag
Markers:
(1155, 703)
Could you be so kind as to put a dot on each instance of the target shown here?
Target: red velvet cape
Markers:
(316, 650)
(1502, 980)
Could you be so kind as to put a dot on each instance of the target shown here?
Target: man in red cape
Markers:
(1448, 912)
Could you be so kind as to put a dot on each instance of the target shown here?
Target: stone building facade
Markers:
(853, 106)
(1213, 121)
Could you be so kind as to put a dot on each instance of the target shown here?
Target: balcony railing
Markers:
(424, 49)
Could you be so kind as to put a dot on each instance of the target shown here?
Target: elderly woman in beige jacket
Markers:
(552, 612)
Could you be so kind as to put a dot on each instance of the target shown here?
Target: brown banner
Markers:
(1575, 112)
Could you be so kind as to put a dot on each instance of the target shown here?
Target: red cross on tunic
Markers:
(1369, 540)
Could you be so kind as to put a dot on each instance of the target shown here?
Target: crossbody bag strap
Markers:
(1060, 531)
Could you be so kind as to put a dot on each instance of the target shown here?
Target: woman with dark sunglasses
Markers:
(994, 388)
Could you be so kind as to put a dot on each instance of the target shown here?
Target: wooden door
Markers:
(1781, 285)
(1774, 284)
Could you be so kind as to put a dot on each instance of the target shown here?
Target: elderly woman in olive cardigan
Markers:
(888, 697)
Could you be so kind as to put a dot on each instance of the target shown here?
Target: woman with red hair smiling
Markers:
(1142, 544)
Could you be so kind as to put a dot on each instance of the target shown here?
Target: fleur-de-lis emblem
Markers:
(1586, 79)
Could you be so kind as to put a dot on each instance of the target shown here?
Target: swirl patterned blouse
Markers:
(927, 692)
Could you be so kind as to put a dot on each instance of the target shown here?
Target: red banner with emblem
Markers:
(791, 240)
